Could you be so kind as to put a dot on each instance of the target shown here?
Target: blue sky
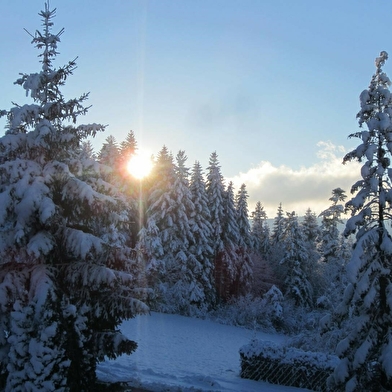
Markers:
(262, 82)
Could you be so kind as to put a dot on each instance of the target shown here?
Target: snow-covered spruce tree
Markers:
(114, 161)
(128, 148)
(332, 249)
(230, 259)
(110, 153)
(366, 353)
(263, 275)
(311, 231)
(331, 218)
(184, 287)
(277, 245)
(87, 150)
(202, 233)
(241, 206)
(244, 275)
(66, 279)
(279, 222)
(109, 156)
(260, 231)
(215, 190)
(130, 186)
(173, 270)
(155, 236)
(310, 228)
(295, 261)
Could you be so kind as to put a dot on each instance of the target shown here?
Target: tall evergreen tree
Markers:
(155, 237)
(277, 243)
(109, 157)
(331, 218)
(229, 268)
(183, 270)
(87, 150)
(67, 278)
(128, 147)
(202, 234)
(245, 244)
(366, 352)
(261, 256)
(109, 154)
(278, 228)
(241, 206)
(260, 230)
(215, 192)
(310, 228)
(177, 239)
(130, 185)
(295, 259)
(311, 232)
(333, 249)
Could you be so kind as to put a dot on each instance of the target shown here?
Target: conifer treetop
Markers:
(376, 98)
(44, 88)
(47, 40)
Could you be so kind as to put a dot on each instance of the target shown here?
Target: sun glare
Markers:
(140, 165)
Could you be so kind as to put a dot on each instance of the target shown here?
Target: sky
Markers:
(271, 85)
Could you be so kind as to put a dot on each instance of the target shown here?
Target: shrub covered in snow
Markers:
(281, 365)
(264, 313)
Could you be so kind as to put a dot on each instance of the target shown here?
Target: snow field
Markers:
(179, 353)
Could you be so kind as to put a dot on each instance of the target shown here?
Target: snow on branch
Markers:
(81, 245)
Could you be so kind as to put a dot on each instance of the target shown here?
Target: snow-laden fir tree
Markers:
(278, 228)
(215, 190)
(117, 160)
(128, 148)
(87, 150)
(333, 248)
(263, 275)
(67, 279)
(295, 262)
(109, 154)
(331, 218)
(228, 268)
(260, 230)
(310, 228)
(202, 234)
(366, 352)
(184, 271)
(277, 244)
(173, 268)
(155, 236)
(241, 206)
(311, 232)
(244, 276)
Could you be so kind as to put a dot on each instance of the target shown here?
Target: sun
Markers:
(140, 165)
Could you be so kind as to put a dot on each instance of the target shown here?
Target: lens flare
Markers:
(140, 165)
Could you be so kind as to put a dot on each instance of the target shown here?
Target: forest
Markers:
(85, 246)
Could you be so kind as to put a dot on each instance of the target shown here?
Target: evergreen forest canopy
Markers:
(84, 246)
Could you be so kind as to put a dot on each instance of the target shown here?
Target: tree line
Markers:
(202, 247)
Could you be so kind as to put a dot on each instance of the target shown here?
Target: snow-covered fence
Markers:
(288, 366)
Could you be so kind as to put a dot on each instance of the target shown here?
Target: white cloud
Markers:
(297, 190)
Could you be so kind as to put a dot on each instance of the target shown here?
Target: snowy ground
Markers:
(178, 353)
